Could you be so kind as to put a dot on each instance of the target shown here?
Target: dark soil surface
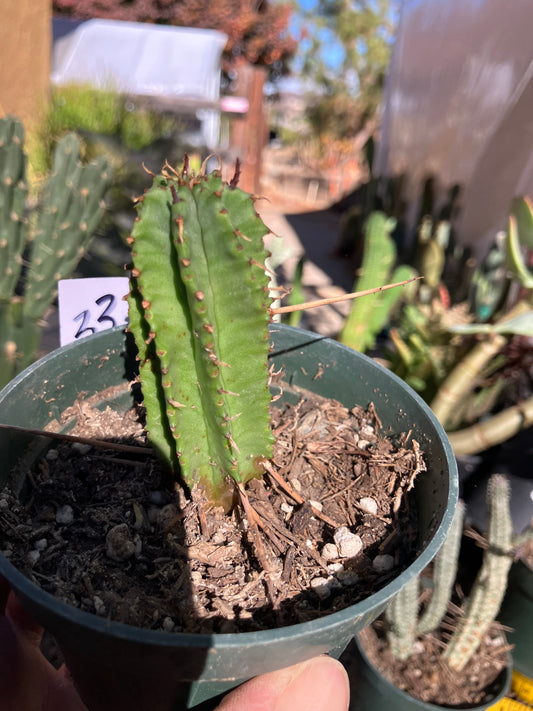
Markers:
(330, 523)
(426, 676)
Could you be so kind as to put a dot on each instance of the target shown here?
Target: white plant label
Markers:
(87, 306)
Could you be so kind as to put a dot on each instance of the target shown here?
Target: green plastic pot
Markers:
(371, 691)
(118, 667)
(517, 613)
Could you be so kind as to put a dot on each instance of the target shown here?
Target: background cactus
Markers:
(50, 241)
(368, 316)
(483, 603)
(199, 314)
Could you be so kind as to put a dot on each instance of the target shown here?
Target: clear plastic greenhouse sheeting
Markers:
(144, 60)
(458, 109)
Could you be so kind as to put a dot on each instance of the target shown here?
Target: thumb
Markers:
(320, 684)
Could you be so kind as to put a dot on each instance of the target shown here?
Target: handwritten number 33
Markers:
(108, 302)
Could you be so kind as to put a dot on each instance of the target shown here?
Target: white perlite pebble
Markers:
(99, 606)
(119, 545)
(168, 624)
(52, 455)
(348, 544)
(33, 557)
(368, 504)
(321, 587)
(316, 504)
(330, 552)
(383, 563)
(335, 568)
(41, 544)
(287, 508)
(347, 578)
(65, 514)
(81, 448)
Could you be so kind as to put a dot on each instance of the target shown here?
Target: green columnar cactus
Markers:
(444, 574)
(483, 604)
(403, 624)
(401, 616)
(72, 207)
(368, 316)
(489, 587)
(56, 238)
(13, 192)
(199, 312)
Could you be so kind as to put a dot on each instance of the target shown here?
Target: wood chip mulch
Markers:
(105, 531)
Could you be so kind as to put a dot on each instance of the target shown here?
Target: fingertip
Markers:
(320, 684)
(22, 620)
(5, 589)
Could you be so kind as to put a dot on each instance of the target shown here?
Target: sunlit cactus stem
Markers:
(491, 582)
(199, 311)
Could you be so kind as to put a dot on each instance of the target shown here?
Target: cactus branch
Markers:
(444, 574)
(401, 616)
(490, 585)
(494, 430)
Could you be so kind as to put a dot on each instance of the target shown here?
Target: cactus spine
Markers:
(199, 314)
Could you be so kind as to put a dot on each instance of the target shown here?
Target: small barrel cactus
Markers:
(199, 312)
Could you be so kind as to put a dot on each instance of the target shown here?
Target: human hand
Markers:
(28, 681)
(320, 684)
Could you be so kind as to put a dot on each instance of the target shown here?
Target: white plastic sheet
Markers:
(144, 60)
(459, 108)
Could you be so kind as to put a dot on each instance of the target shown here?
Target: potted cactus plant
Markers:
(446, 635)
(199, 313)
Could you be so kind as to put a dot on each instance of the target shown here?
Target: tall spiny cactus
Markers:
(13, 192)
(368, 316)
(56, 238)
(199, 313)
(483, 604)
(72, 207)
(489, 588)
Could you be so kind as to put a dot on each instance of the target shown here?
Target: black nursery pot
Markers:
(118, 667)
(517, 613)
(372, 691)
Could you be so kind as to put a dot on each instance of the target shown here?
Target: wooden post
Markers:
(249, 131)
(25, 49)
